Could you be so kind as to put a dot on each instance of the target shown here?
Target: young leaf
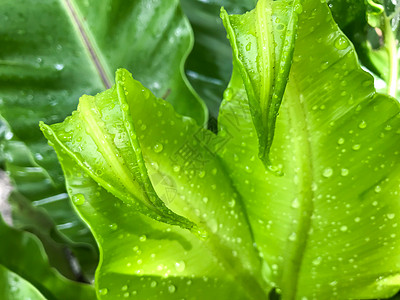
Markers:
(194, 193)
(112, 154)
(327, 228)
(262, 42)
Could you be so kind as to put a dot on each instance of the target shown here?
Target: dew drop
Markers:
(298, 8)
(362, 125)
(59, 67)
(344, 172)
(280, 27)
(378, 189)
(343, 228)
(213, 225)
(333, 283)
(78, 199)
(158, 148)
(142, 238)
(356, 147)
(390, 216)
(171, 289)
(341, 43)
(177, 168)
(388, 127)
(153, 284)
(327, 172)
(180, 266)
(317, 261)
(231, 203)
(205, 199)
(103, 292)
(248, 46)
(295, 203)
(248, 169)
(340, 141)
(113, 226)
(228, 94)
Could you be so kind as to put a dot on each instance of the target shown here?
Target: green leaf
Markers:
(262, 42)
(21, 253)
(14, 287)
(193, 194)
(116, 165)
(327, 228)
(58, 248)
(40, 207)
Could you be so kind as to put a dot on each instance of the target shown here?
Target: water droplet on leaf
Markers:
(341, 43)
(180, 266)
(171, 289)
(158, 148)
(327, 172)
(78, 199)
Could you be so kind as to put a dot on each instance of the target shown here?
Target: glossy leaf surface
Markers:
(186, 196)
(327, 227)
(263, 42)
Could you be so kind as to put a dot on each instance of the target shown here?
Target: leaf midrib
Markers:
(88, 42)
(108, 153)
(304, 155)
(266, 54)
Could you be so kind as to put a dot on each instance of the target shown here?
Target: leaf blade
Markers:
(305, 204)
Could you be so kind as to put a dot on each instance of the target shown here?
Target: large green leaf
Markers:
(326, 228)
(52, 52)
(263, 44)
(192, 193)
(21, 253)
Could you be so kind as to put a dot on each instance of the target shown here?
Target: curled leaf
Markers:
(263, 42)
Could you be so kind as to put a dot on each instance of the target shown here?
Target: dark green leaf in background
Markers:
(209, 65)
(22, 254)
(14, 287)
